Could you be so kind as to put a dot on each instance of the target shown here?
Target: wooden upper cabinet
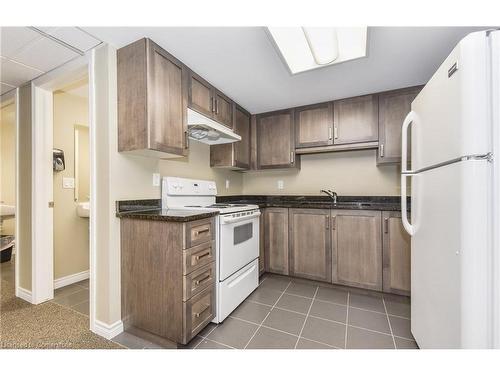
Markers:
(275, 140)
(393, 108)
(223, 112)
(200, 95)
(310, 244)
(314, 125)
(355, 120)
(152, 101)
(396, 255)
(234, 155)
(357, 248)
(276, 240)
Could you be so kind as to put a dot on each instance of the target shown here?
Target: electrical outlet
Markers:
(281, 185)
(227, 184)
(156, 179)
(68, 183)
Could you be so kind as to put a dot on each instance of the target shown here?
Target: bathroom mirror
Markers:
(82, 163)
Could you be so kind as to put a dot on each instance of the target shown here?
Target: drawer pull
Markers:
(198, 257)
(198, 314)
(198, 282)
(202, 231)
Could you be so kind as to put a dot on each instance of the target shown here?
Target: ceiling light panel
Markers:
(307, 48)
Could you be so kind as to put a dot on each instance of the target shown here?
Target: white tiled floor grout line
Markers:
(205, 337)
(347, 320)
(305, 320)
(281, 295)
(389, 321)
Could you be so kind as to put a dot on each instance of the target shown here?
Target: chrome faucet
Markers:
(332, 194)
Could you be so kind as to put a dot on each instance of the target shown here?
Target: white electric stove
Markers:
(237, 238)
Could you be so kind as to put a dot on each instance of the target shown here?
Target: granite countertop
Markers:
(381, 203)
(150, 209)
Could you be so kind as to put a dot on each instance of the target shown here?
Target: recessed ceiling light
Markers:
(307, 48)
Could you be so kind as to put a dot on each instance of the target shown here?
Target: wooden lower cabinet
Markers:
(262, 252)
(310, 244)
(168, 287)
(396, 254)
(276, 240)
(357, 248)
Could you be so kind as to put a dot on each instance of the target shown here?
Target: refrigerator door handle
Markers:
(410, 118)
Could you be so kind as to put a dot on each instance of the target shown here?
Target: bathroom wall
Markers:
(197, 165)
(347, 173)
(71, 232)
(8, 162)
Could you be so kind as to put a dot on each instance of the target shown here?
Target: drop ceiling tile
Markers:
(5, 88)
(13, 39)
(74, 37)
(16, 74)
(45, 54)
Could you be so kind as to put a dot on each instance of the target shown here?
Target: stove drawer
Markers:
(198, 312)
(198, 280)
(199, 231)
(198, 256)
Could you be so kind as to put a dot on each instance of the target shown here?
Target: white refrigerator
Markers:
(454, 222)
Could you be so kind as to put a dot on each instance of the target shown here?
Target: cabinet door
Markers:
(242, 128)
(262, 252)
(357, 248)
(393, 108)
(201, 97)
(167, 102)
(276, 240)
(355, 120)
(275, 140)
(314, 125)
(396, 255)
(223, 111)
(310, 244)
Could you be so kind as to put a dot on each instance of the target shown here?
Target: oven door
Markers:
(239, 241)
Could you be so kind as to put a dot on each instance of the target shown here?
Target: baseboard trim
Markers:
(108, 331)
(71, 279)
(24, 294)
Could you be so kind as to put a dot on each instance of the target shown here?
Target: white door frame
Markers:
(42, 178)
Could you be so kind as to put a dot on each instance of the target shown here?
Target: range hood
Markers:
(204, 129)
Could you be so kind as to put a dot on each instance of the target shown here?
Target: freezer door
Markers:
(451, 117)
(449, 257)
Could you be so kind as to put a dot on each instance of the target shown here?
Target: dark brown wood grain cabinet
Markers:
(276, 140)
(314, 125)
(234, 155)
(207, 100)
(355, 120)
(310, 244)
(393, 108)
(276, 240)
(396, 254)
(152, 101)
(357, 248)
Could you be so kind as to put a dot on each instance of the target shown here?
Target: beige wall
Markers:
(71, 232)
(347, 173)
(8, 162)
(197, 165)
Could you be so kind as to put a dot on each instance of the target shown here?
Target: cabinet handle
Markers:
(329, 133)
(386, 225)
(198, 314)
(381, 150)
(334, 222)
(186, 139)
(199, 281)
(198, 257)
(216, 107)
(335, 132)
(213, 104)
(291, 157)
(327, 219)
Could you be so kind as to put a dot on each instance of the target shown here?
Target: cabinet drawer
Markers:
(198, 312)
(198, 232)
(198, 256)
(198, 280)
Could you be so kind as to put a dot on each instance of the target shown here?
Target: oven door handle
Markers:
(230, 220)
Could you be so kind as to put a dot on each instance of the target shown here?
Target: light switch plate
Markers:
(281, 185)
(156, 179)
(68, 183)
